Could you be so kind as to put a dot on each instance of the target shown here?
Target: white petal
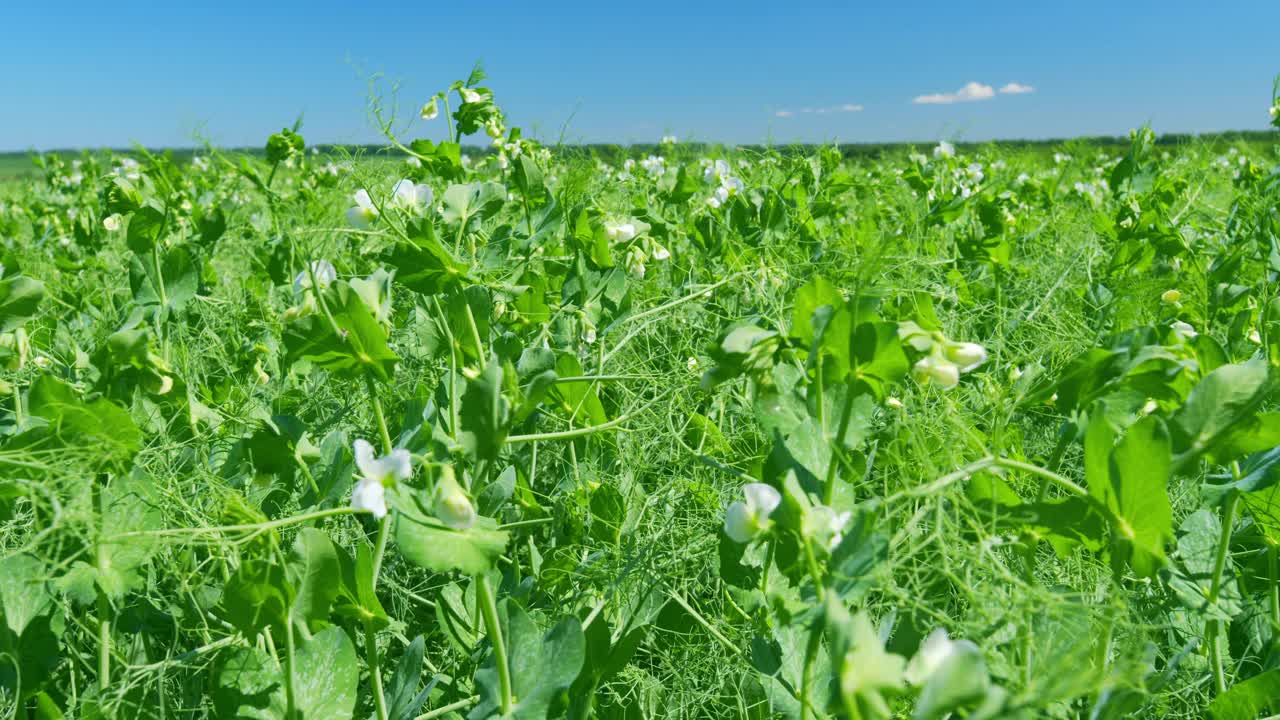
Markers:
(762, 499)
(363, 200)
(401, 464)
(371, 496)
(365, 459)
(739, 523)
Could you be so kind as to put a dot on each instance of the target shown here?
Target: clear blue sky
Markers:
(80, 74)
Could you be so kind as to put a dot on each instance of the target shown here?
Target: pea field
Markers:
(486, 428)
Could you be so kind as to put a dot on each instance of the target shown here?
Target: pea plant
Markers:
(517, 431)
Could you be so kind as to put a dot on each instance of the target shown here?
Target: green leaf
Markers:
(325, 676)
(24, 594)
(1249, 699)
(422, 264)
(145, 229)
(484, 413)
(1139, 472)
(427, 543)
(173, 284)
(542, 666)
(461, 203)
(19, 298)
(359, 346)
(258, 595)
(403, 699)
(1224, 399)
(313, 565)
(100, 426)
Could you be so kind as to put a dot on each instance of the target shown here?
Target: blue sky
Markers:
(79, 74)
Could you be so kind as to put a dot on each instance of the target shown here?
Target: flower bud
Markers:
(1171, 296)
(451, 504)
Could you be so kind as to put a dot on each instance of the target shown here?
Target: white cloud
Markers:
(1014, 88)
(969, 93)
(847, 107)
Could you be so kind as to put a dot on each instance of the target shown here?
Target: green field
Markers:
(682, 431)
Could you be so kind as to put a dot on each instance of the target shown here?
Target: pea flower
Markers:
(825, 526)
(410, 197)
(470, 96)
(375, 472)
(867, 671)
(451, 504)
(1184, 330)
(364, 213)
(619, 232)
(111, 222)
(324, 272)
(932, 653)
(966, 355)
(747, 519)
(430, 111)
(944, 150)
(937, 370)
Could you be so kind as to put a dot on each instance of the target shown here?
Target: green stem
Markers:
(380, 548)
(291, 701)
(806, 675)
(489, 610)
(846, 415)
(1214, 627)
(1274, 579)
(387, 447)
(104, 606)
(375, 671)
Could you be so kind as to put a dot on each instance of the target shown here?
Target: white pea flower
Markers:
(470, 96)
(451, 504)
(932, 653)
(747, 519)
(410, 197)
(893, 402)
(660, 253)
(375, 472)
(654, 165)
(323, 270)
(619, 232)
(825, 526)
(716, 171)
(669, 140)
(1274, 111)
(966, 355)
(1184, 330)
(692, 363)
(719, 197)
(635, 262)
(944, 150)
(364, 213)
(937, 370)
(413, 162)
(430, 111)
(111, 222)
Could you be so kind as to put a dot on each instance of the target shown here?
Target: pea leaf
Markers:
(98, 425)
(427, 543)
(542, 666)
(19, 298)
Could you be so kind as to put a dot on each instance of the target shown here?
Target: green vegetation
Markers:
(985, 433)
